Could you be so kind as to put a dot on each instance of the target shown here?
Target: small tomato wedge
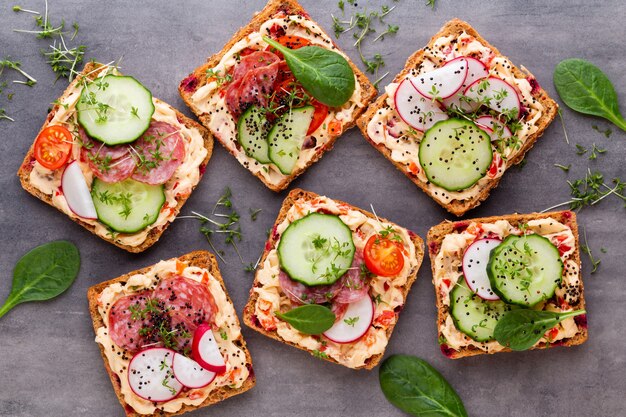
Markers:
(383, 257)
(321, 111)
(293, 42)
(53, 147)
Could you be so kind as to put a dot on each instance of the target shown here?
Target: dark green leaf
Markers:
(415, 387)
(43, 273)
(309, 318)
(521, 329)
(586, 89)
(322, 72)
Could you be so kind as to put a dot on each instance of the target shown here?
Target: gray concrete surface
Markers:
(49, 363)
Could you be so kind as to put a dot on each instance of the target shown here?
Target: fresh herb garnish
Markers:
(309, 318)
(254, 213)
(521, 329)
(351, 321)
(16, 66)
(43, 273)
(565, 168)
(431, 3)
(595, 263)
(322, 72)
(319, 354)
(213, 75)
(415, 387)
(606, 132)
(586, 89)
(595, 151)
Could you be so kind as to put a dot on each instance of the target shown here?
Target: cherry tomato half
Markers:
(53, 147)
(383, 257)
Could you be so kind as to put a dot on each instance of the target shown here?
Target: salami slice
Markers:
(109, 163)
(253, 81)
(124, 325)
(354, 284)
(302, 294)
(159, 151)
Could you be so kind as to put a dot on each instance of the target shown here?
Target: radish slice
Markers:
(414, 109)
(150, 375)
(189, 372)
(475, 71)
(443, 82)
(475, 261)
(355, 322)
(77, 193)
(496, 129)
(502, 96)
(205, 350)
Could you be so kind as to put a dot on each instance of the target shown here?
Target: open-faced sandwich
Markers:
(116, 160)
(508, 282)
(170, 337)
(279, 94)
(457, 117)
(333, 280)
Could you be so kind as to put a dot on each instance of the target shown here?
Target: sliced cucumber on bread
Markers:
(316, 249)
(115, 109)
(474, 316)
(252, 134)
(286, 137)
(455, 154)
(127, 206)
(525, 270)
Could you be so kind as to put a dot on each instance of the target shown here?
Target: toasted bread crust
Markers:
(155, 233)
(435, 237)
(368, 91)
(248, 311)
(202, 259)
(460, 207)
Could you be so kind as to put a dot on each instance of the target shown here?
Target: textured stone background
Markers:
(49, 364)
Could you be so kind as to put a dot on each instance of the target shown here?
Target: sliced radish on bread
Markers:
(475, 71)
(414, 109)
(443, 82)
(190, 373)
(475, 261)
(77, 193)
(497, 94)
(150, 375)
(496, 129)
(206, 351)
(355, 322)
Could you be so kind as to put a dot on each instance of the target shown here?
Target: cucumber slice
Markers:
(286, 137)
(252, 134)
(525, 270)
(127, 206)
(474, 316)
(115, 109)
(455, 154)
(316, 249)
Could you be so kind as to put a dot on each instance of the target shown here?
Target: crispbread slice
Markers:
(248, 312)
(92, 70)
(198, 78)
(460, 207)
(201, 259)
(435, 237)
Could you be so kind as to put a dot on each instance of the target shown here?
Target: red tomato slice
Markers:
(53, 147)
(293, 42)
(383, 257)
(321, 111)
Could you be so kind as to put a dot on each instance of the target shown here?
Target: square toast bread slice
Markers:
(201, 259)
(248, 312)
(92, 70)
(434, 239)
(460, 207)
(198, 79)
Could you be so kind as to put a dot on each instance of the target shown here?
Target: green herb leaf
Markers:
(309, 318)
(43, 273)
(415, 387)
(322, 72)
(521, 329)
(585, 88)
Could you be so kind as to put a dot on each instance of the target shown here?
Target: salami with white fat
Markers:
(109, 163)
(159, 151)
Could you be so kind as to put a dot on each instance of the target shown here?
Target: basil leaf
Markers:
(43, 273)
(415, 387)
(309, 318)
(521, 329)
(585, 88)
(322, 72)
